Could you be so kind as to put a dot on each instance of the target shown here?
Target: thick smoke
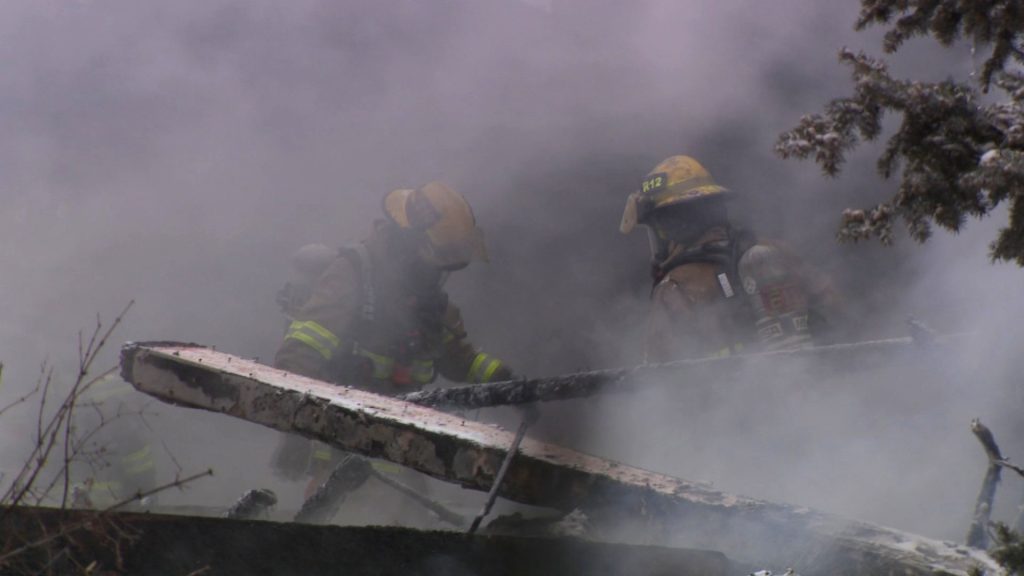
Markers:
(176, 154)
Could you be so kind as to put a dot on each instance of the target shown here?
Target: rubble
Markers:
(252, 504)
(351, 473)
(469, 453)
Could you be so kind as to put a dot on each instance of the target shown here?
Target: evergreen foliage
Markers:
(957, 157)
(1008, 550)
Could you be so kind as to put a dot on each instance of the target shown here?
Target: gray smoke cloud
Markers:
(177, 153)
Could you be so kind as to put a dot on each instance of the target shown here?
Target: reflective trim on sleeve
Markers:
(475, 367)
(383, 366)
(315, 336)
(483, 368)
(422, 371)
(491, 369)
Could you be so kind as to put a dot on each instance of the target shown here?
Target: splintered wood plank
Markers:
(453, 449)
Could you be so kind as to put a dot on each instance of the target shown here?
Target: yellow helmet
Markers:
(444, 216)
(675, 180)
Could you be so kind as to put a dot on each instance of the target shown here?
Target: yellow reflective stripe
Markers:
(104, 493)
(107, 388)
(474, 368)
(322, 332)
(385, 467)
(322, 452)
(483, 368)
(447, 336)
(112, 486)
(138, 455)
(491, 369)
(423, 371)
(315, 336)
(140, 468)
(311, 342)
(139, 461)
(383, 366)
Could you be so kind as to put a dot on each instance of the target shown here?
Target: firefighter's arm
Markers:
(318, 332)
(461, 361)
(829, 319)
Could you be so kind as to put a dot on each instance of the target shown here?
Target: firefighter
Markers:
(717, 288)
(378, 317)
(110, 411)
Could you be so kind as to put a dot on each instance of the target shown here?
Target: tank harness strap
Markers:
(364, 268)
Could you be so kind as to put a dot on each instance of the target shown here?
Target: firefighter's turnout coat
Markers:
(728, 293)
(364, 325)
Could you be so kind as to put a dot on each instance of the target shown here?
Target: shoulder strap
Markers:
(724, 255)
(359, 256)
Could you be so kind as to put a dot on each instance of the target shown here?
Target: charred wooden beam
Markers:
(351, 473)
(670, 374)
(469, 453)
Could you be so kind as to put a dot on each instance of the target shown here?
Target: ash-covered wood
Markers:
(470, 453)
(351, 473)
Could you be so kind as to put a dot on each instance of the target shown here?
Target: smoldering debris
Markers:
(253, 504)
(453, 449)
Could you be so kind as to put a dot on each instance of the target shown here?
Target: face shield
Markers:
(658, 244)
(637, 208)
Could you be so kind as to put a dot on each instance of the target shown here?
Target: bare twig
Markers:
(60, 425)
(21, 399)
(978, 533)
(1005, 463)
(55, 429)
(177, 483)
(75, 526)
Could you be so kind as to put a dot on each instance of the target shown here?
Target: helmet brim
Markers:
(448, 243)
